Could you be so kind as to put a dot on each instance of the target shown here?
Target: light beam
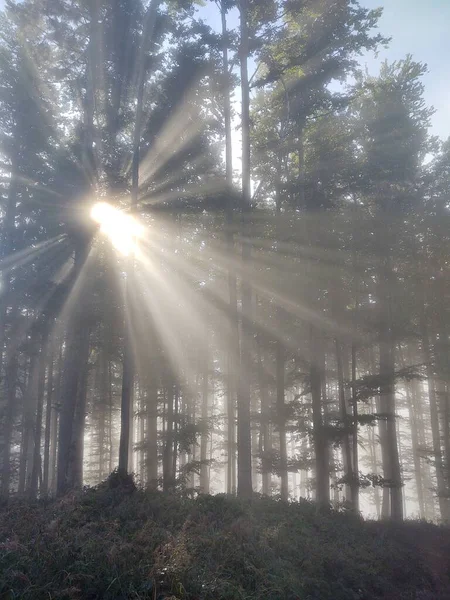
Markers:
(123, 230)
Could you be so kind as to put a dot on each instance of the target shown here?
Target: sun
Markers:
(123, 230)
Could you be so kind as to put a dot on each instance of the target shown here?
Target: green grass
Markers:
(116, 544)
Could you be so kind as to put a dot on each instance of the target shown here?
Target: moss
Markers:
(118, 542)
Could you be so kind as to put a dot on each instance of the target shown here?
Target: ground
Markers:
(116, 543)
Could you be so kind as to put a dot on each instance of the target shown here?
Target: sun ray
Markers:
(25, 256)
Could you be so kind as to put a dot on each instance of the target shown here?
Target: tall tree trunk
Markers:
(244, 426)
(280, 355)
(9, 358)
(319, 436)
(343, 410)
(374, 466)
(37, 465)
(25, 466)
(74, 359)
(110, 420)
(204, 479)
(355, 457)
(152, 430)
(176, 398)
(55, 423)
(233, 348)
(391, 460)
(80, 415)
(412, 402)
(126, 408)
(444, 505)
(281, 418)
(11, 367)
(49, 409)
(265, 446)
(104, 369)
(168, 442)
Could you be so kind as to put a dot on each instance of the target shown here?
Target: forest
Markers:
(224, 257)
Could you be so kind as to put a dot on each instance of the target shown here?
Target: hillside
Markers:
(116, 544)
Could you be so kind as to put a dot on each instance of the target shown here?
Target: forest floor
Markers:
(129, 544)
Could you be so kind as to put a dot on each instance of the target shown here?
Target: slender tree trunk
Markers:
(319, 437)
(9, 358)
(411, 401)
(301, 167)
(355, 432)
(128, 358)
(48, 421)
(142, 432)
(382, 439)
(168, 444)
(110, 423)
(391, 460)
(11, 368)
(266, 448)
(152, 431)
(374, 468)
(244, 426)
(294, 474)
(346, 454)
(54, 423)
(74, 359)
(37, 465)
(281, 418)
(204, 479)
(176, 398)
(25, 466)
(104, 369)
(80, 415)
(434, 414)
(280, 357)
(233, 349)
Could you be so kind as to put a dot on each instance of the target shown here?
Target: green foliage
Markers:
(150, 545)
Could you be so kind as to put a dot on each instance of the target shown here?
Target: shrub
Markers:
(117, 542)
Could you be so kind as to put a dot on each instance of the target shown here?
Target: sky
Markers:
(418, 27)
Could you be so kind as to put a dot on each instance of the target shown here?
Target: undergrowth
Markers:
(118, 542)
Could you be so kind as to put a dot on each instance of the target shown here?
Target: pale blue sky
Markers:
(419, 27)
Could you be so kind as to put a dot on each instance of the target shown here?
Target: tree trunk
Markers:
(204, 479)
(374, 468)
(11, 367)
(49, 409)
(152, 430)
(319, 436)
(281, 419)
(265, 446)
(443, 499)
(25, 466)
(80, 415)
(126, 408)
(9, 358)
(176, 398)
(350, 492)
(244, 426)
(37, 465)
(74, 359)
(412, 402)
(233, 349)
(391, 460)
(55, 422)
(168, 442)
(104, 368)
